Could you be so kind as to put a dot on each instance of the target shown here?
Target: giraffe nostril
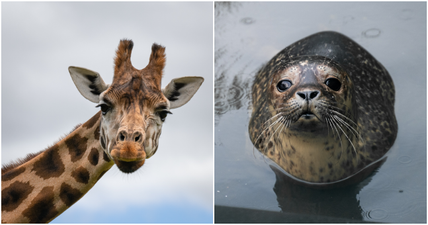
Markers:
(138, 137)
(124, 136)
(121, 136)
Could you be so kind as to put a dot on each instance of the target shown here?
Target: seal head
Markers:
(313, 110)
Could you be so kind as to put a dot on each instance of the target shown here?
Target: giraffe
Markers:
(124, 132)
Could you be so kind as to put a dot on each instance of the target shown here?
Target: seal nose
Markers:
(136, 136)
(308, 95)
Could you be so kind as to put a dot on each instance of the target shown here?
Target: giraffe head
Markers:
(134, 106)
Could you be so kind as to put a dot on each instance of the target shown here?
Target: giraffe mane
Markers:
(15, 163)
(12, 165)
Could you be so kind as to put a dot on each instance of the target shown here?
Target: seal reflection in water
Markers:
(323, 109)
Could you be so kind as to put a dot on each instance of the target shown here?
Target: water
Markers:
(247, 187)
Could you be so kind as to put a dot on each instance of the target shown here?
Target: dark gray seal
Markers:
(323, 109)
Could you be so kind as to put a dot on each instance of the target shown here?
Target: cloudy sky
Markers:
(40, 102)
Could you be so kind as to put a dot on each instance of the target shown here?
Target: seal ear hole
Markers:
(283, 85)
(333, 83)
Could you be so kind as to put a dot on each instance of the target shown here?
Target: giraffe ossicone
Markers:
(125, 132)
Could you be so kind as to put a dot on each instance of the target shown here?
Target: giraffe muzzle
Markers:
(129, 156)
(128, 167)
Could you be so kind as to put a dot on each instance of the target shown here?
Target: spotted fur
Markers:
(25, 196)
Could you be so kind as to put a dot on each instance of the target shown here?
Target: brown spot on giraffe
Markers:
(93, 156)
(77, 147)
(49, 164)
(42, 208)
(12, 196)
(81, 175)
(69, 195)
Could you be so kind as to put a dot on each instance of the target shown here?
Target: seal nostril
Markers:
(308, 95)
(313, 94)
(302, 95)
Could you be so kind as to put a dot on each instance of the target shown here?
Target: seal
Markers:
(323, 109)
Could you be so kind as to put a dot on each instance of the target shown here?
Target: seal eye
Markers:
(283, 85)
(333, 83)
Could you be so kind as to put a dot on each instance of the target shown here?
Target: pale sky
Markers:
(40, 103)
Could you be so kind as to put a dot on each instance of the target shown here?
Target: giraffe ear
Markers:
(180, 90)
(88, 82)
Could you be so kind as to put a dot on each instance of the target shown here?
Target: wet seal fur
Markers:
(323, 109)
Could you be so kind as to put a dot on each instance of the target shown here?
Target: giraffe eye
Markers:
(104, 108)
(162, 114)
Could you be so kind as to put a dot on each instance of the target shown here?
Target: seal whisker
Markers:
(281, 124)
(341, 120)
(261, 133)
(329, 106)
(343, 116)
(290, 106)
(288, 123)
(334, 128)
(355, 132)
(329, 125)
(278, 114)
(267, 129)
(338, 125)
(334, 125)
(276, 129)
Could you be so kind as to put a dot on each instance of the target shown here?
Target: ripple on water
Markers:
(228, 100)
(404, 159)
(375, 214)
(371, 33)
(221, 107)
(235, 94)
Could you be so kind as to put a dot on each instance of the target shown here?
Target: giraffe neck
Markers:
(45, 186)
